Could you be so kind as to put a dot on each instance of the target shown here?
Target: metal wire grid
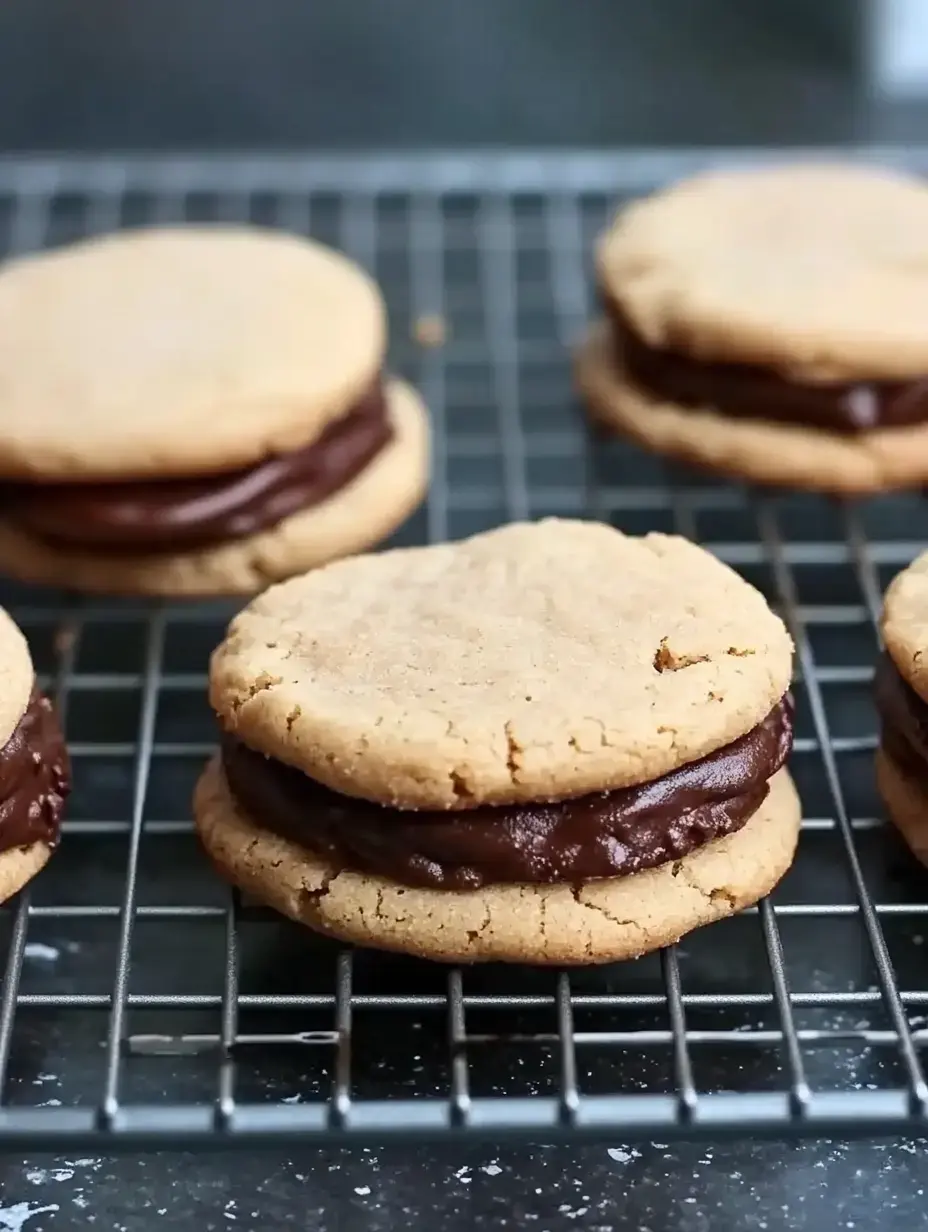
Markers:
(797, 1018)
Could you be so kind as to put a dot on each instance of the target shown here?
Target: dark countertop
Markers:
(869, 1187)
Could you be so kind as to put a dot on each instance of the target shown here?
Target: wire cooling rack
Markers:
(142, 1004)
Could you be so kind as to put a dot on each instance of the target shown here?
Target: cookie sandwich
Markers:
(901, 688)
(770, 324)
(35, 775)
(197, 410)
(551, 743)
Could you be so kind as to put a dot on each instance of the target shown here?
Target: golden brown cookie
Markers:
(17, 676)
(34, 768)
(901, 694)
(548, 743)
(600, 922)
(905, 624)
(537, 660)
(817, 270)
(791, 455)
(178, 351)
(19, 865)
(767, 323)
(197, 410)
(906, 801)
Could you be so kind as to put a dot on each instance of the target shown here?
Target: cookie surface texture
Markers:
(759, 450)
(602, 921)
(19, 865)
(905, 624)
(819, 271)
(179, 351)
(533, 662)
(354, 518)
(906, 802)
(17, 676)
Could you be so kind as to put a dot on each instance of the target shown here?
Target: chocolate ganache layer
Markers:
(904, 719)
(35, 778)
(604, 834)
(750, 391)
(179, 514)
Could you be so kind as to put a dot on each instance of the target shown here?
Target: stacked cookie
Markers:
(902, 702)
(34, 767)
(197, 410)
(551, 743)
(770, 324)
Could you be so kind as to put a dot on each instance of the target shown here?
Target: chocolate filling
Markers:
(161, 515)
(35, 778)
(750, 391)
(604, 834)
(904, 719)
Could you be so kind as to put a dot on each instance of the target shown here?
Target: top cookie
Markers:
(535, 661)
(820, 271)
(177, 351)
(905, 624)
(17, 676)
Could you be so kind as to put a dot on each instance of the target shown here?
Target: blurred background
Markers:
(285, 73)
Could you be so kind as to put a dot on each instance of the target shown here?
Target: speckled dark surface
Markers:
(875, 1187)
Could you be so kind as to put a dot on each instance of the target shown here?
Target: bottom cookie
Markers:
(906, 804)
(359, 515)
(751, 449)
(599, 922)
(19, 865)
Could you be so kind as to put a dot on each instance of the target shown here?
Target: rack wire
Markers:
(142, 1004)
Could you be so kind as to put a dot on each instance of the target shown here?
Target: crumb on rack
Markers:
(430, 331)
